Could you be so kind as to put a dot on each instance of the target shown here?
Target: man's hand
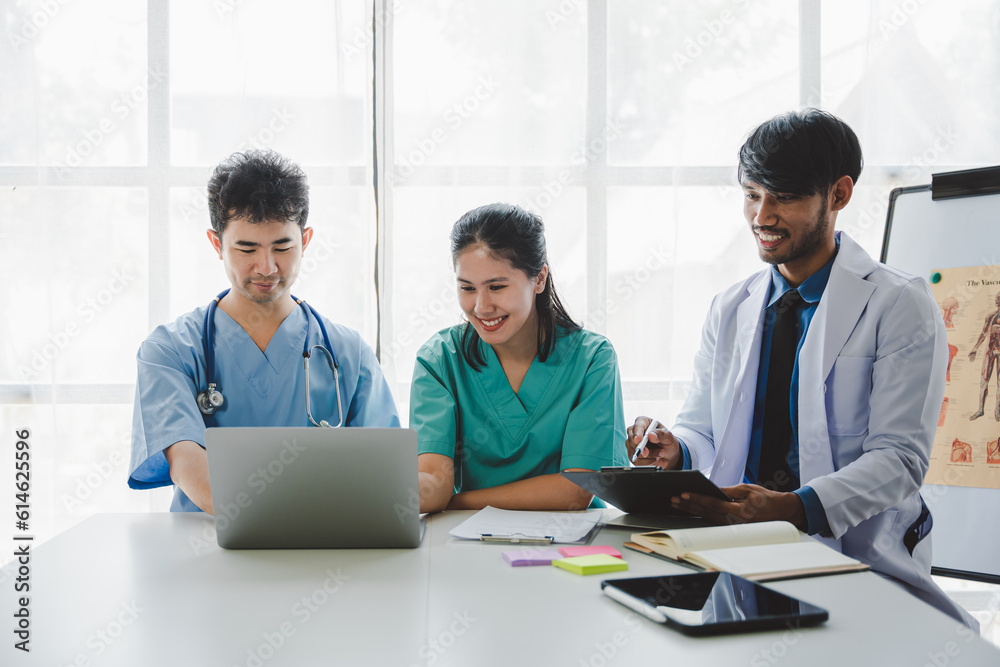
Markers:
(189, 471)
(662, 448)
(972, 355)
(749, 503)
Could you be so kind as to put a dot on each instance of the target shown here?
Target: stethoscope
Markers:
(212, 399)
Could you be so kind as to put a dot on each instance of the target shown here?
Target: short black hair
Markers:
(259, 185)
(516, 236)
(801, 152)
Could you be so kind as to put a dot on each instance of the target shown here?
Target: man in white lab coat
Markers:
(855, 349)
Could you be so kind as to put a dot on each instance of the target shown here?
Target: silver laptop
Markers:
(314, 488)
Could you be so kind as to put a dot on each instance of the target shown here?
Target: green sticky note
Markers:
(593, 564)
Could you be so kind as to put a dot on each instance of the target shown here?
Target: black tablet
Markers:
(644, 490)
(712, 603)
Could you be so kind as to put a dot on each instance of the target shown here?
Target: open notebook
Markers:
(761, 551)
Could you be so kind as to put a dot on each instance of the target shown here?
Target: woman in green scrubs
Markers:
(519, 392)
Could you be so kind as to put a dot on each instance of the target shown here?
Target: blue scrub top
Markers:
(261, 388)
(566, 414)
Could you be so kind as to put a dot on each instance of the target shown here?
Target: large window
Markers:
(113, 115)
(617, 120)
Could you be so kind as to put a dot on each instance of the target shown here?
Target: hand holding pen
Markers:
(659, 444)
(645, 439)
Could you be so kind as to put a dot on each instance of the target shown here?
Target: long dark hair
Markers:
(516, 236)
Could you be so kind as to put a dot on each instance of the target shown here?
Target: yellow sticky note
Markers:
(593, 564)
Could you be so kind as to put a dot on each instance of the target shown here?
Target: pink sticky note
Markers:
(524, 557)
(570, 552)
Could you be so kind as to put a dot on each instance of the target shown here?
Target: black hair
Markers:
(516, 236)
(259, 185)
(801, 152)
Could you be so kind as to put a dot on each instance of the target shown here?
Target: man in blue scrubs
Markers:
(258, 204)
(819, 380)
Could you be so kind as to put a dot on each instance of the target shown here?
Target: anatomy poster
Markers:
(967, 446)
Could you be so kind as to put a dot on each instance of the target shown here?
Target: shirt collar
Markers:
(811, 289)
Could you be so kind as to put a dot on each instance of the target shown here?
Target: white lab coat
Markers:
(871, 382)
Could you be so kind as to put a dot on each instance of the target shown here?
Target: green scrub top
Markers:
(567, 413)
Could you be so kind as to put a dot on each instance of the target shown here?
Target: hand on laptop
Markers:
(189, 470)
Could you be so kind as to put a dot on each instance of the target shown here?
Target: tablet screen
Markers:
(712, 603)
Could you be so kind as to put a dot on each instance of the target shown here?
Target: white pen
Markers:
(645, 439)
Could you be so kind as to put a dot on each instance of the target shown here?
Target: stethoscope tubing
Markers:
(208, 340)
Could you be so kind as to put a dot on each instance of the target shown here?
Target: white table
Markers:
(154, 589)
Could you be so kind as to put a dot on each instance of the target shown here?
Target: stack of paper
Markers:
(519, 526)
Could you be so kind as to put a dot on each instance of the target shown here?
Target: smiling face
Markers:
(793, 232)
(499, 300)
(262, 260)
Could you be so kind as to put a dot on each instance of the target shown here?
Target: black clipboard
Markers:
(644, 490)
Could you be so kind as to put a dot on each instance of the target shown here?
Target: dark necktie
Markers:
(774, 471)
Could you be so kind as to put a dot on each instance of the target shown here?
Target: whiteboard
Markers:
(922, 235)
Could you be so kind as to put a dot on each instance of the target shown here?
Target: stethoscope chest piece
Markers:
(210, 400)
